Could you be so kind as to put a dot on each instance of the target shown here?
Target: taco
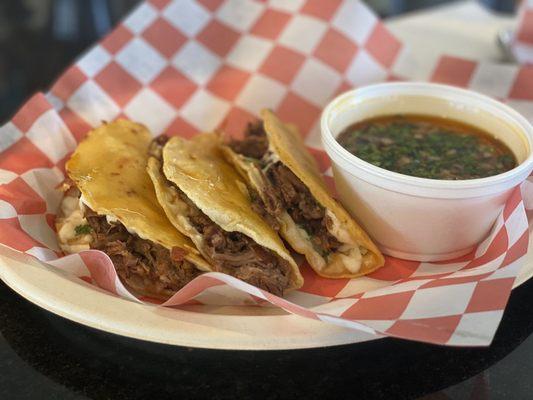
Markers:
(206, 200)
(291, 194)
(110, 205)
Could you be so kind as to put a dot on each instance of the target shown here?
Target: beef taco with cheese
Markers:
(290, 193)
(110, 205)
(206, 199)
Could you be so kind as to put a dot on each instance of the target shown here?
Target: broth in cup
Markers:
(427, 147)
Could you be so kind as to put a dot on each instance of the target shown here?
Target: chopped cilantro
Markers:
(427, 147)
(83, 229)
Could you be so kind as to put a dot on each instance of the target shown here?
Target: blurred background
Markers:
(40, 38)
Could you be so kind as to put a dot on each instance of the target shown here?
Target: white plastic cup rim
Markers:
(423, 187)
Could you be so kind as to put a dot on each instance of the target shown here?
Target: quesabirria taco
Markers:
(110, 205)
(206, 200)
(289, 192)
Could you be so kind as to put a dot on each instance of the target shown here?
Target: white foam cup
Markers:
(417, 218)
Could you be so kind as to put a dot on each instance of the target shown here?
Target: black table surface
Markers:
(43, 356)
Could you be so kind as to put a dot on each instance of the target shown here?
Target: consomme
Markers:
(427, 147)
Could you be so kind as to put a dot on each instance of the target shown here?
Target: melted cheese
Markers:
(300, 241)
(71, 216)
(349, 254)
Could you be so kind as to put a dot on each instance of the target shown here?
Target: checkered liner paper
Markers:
(186, 66)
(522, 46)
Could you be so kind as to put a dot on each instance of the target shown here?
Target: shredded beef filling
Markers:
(254, 144)
(286, 191)
(156, 147)
(140, 262)
(267, 210)
(233, 252)
(303, 208)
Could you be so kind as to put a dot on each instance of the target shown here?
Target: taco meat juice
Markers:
(427, 147)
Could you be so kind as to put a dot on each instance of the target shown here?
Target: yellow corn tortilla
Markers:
(198, 168)
(287, 146)
(109, 168)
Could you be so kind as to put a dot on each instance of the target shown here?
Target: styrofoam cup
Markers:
(417, 218)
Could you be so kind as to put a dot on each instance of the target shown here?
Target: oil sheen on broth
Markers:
(427, 147)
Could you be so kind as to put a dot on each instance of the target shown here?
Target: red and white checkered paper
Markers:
(186, 66)
(522, 46)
